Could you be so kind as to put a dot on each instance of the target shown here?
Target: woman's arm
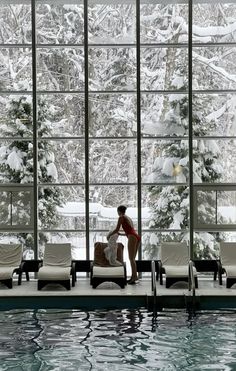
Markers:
(116, 230)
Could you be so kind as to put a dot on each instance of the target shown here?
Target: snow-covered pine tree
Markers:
(16, 157)
(170, 204)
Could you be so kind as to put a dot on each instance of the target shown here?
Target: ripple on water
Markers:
(116, 340)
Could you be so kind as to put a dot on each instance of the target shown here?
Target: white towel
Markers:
(111, 251)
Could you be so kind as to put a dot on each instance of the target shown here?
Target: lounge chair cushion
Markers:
(6, 272)
(50, 273)
(57, 254)
(108, 271)
(228, 253)
(179, 271)
(10, 255)
(230, 271)
(174, 253)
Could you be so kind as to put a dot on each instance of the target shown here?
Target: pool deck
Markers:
(209, 295)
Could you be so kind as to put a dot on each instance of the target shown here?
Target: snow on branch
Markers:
(221, 71)
(214, 30)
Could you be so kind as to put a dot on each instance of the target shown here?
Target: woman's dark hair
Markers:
(122, 209)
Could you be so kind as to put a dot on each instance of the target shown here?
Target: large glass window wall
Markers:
(105, 103)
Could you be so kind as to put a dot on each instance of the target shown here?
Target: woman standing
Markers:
(133, 240)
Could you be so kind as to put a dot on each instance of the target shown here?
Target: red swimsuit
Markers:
(128, 229)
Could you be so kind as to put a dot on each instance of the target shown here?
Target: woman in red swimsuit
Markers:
(133, 240)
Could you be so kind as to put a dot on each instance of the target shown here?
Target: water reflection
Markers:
(116, 340)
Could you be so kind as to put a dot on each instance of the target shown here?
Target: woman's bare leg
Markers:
(133, 245)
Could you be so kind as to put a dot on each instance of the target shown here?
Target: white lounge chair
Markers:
(57, 266)
(174, 262)
(101, 271)
(227, 263)
(10, 263)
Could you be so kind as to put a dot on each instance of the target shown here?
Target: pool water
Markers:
(124, 340)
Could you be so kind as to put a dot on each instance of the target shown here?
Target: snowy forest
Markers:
(111, 121)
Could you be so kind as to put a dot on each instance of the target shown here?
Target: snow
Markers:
(14, 160)
(52, 171)
(214, 30)
(106, 213)
(168, 166)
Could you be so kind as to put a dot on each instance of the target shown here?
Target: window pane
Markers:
(16, 161)
(21, 208)
(76, 239)
(61, 161)
(214, 68)
(16, 116)
(163, 23)
(112, 115)
(206, 207)
(112, 68)
(65, 116)
(59, 23)
(16, 208)
(61, 207)
(15, 69)
(206, 244)
(214, 161)
(214, 22)
(171, 64)
(214, 115)
(60, 69)
(15, 23)
(164, 115)
(164, 161)
(226, 207)
(165, 207)
(5, 208)
(113, 23)
(113, 161)
(104, 201)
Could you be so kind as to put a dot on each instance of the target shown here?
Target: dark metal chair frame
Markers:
(171, 280)
(95, 281)
(64, 283)
(8, 282)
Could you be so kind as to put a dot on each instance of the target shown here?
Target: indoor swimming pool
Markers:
(124, 340)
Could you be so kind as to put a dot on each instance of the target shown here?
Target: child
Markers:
(111, 251)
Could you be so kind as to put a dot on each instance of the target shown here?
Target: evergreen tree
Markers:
(170, 204)
(16, 158)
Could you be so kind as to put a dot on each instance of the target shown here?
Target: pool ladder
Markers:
(154, 288)
(191, 286)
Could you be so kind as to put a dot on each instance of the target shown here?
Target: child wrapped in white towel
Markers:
(111, 251)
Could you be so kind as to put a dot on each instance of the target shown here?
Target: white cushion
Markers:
(230, 270)
(174, 253)
(49, 273)
(57, 254)
(6, 272)
(10, 255)
(228, 253)
(108, 271)
(179, 271)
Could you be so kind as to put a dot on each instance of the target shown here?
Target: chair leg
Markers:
(215, 275)
(161, 278)
(19, 278)
(220, 277)
(230, 282)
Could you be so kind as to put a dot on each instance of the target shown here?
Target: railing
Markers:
(154, 288)
(191, 283)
